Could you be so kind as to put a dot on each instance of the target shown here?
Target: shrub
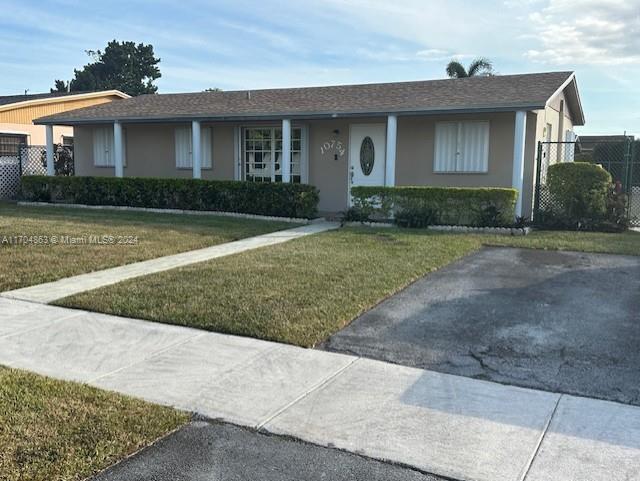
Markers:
(422, 206)
(272, 199)
(579, 195)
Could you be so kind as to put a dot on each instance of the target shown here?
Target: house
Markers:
(22, 143)
(479, 131)
(586, 144)
(17, 113)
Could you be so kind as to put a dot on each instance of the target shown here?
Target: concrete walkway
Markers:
(51, 291)
(438, 423)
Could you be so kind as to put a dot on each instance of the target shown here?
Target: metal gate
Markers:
(621, 158)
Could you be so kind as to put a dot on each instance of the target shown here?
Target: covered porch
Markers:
(331, 152)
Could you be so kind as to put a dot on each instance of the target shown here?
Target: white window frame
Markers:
(206, 147)
(269, 172)
(107, 159)
(458, 161)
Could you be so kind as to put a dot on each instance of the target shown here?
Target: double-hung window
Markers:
(461, 147)
(184, 152)
(263, 154)
(104, 147)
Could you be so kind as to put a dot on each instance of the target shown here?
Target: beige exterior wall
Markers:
(415, 154)
(552, 115)
(150, 152)
(36, 134)
(328, 173)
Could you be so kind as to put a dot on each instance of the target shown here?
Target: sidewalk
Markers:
(447, 425)
(52, 291)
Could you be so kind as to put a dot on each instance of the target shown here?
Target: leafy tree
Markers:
(124, 66)
(479, 67)
(60, 86)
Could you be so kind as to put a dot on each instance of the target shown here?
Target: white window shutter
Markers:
(183, 147)
(103, 147)
(446, 141)
(98, 146)
(474, 148)
(206, 149)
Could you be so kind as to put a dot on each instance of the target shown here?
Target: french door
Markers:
(262, 148)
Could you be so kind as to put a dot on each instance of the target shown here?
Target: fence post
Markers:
(21, 150)
(631, 202)
(627, 164)
(536, 195)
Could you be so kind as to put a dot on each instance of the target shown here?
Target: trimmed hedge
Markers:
(271, 199)
(580, 197)
(422, 206)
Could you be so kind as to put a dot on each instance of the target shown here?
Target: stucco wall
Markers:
(150, 152)
(36, 134)
(415, 152)
(328, 173)
(551, 115)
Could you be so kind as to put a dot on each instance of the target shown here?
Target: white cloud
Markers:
(587, 32)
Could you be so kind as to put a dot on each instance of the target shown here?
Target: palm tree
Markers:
(480, 66)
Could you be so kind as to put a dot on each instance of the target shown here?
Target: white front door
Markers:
(367, 151)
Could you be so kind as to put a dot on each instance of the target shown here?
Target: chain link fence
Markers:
(621, 158)
(32, 160)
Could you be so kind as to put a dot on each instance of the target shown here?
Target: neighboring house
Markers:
(17, 113)
(479, 131)
(585, 144)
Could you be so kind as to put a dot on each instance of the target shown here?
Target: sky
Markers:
(241, 44)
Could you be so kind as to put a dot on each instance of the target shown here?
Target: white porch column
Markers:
(51, 170)
(196, 150)
(390, 166)
(118, 149)
(519, 137)
(285, 167)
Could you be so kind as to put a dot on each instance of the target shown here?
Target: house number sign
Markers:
(333, 145)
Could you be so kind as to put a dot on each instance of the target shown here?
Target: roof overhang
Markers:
(570, 88)
(59, 120)
(64, 98)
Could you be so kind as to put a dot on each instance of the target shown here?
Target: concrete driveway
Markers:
(560, 321)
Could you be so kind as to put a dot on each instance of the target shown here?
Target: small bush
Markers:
(422, 206)
(271, 199)
(579, 195)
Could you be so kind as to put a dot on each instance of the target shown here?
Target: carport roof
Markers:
(475, 94)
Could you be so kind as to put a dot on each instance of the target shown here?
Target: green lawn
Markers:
(302, 291)
(157, 235)
(56, 430)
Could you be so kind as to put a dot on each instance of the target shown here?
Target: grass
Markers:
(157, 235)
(302, 291)
(56, 430)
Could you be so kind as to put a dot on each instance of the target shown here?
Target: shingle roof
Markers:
(7, 101)
(12, 99)
(505, 92)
